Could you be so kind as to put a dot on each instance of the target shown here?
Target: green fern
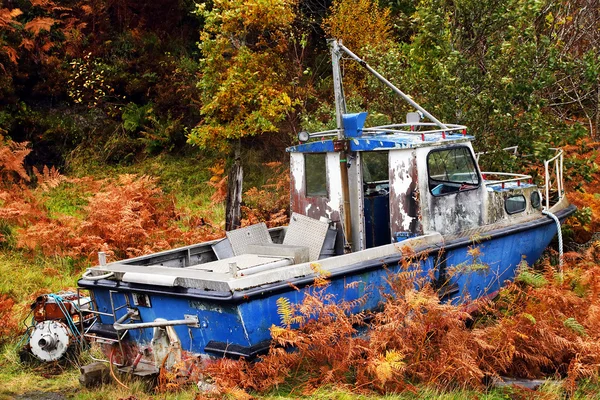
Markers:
(575, 326)
(531, 278)
(530, 317)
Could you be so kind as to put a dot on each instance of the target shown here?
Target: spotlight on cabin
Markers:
(303, 136)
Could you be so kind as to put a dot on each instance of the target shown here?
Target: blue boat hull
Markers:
(238, 324)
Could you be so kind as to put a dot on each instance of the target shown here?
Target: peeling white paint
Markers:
(453, 212)
(334, 204)
(400, 185)
(297, 170)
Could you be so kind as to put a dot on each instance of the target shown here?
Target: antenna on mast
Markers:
(338, 88)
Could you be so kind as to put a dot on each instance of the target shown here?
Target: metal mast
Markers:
(338, 88)
(342, 144)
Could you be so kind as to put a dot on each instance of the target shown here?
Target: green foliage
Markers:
(135, 117)
(583, 215)
(500, 67)
(531, 278)
(575, 326)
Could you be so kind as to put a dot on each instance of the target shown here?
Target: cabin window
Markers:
(451, 170)
(375, 172)
(515, 204)
(315, 172)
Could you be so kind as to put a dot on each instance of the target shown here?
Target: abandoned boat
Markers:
(361, 198)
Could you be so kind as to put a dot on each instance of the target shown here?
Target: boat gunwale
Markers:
(268, 289)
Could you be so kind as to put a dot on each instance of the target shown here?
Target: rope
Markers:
(111, 368)
(71, 324)
(27, 335)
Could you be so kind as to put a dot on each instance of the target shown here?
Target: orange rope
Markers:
(112, 372)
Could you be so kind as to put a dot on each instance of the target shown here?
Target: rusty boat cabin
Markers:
(404, 181)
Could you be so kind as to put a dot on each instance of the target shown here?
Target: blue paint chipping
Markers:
(381, 142)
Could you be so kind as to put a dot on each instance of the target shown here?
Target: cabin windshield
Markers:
(451, 170)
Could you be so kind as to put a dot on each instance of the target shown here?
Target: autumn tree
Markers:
(359, 23)
(246, 80)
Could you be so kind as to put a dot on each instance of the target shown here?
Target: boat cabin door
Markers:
(452, 193)
(376, 197)
(391, 210)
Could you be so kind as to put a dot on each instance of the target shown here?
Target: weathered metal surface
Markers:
(338, 90)
(405, 220)
(299, 254)
(356, 197)
(316, 206)
(496, 202)
(383, 142)
(49, 340)
(309, 232)
(253, 234)
(453, 212)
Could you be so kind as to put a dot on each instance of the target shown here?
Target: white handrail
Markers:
(88, 275)
(514, 149)
(514, 178)
(390, 129)
(558, 171)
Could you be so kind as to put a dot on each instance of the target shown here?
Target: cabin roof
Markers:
(383, 142)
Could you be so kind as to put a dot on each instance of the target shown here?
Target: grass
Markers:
(22, 276)
(183, 177)
(18, 380)
(66, 199)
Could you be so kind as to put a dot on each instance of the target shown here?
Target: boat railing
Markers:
(511, 149)
(553, 176)
(505, 178)
(415, 128)
(411, 128)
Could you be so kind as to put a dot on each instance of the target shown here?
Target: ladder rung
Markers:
(99, 313)
(102, 339)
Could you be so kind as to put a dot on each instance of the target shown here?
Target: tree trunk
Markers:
(235, 180)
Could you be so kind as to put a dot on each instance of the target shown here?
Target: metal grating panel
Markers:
(222, 249)
(306, 231)
(253, 234)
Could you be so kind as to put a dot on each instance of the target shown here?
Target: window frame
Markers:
(430, 179)
(538, 201)
(306, 191)
(512, 197)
